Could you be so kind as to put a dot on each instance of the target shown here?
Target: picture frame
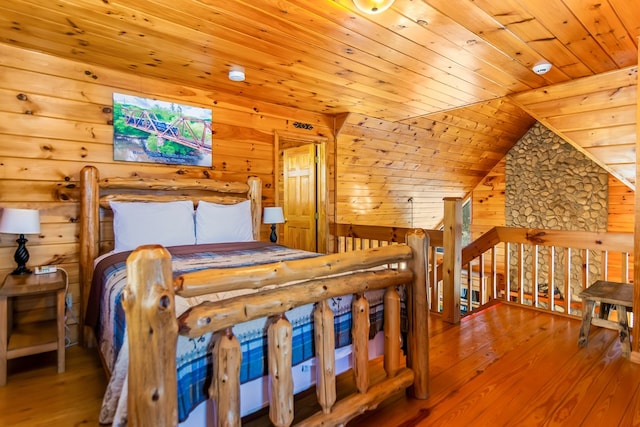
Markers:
(153, 131)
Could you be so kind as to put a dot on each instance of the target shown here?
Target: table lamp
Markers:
(20, 221)
(273, 216)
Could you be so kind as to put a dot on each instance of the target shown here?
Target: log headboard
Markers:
(96, 230)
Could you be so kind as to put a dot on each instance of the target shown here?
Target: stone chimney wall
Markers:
(551, 185)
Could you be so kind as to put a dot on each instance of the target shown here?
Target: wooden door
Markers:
(299, 205)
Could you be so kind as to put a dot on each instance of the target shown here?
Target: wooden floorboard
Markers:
(36, 395)
(505, 366)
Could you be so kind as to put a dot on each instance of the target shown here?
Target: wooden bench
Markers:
(607, 294)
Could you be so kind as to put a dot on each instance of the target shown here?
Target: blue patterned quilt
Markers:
(194, 357)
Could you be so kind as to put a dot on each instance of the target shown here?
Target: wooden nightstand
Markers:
(37, 337)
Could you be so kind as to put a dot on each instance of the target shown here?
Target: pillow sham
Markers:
(216, 223)
(144, 223)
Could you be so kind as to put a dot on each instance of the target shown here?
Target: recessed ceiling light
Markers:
(541, 67)
(236, 74)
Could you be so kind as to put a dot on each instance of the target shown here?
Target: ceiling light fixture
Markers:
(236, 74)
(541, 67)
(373, 6)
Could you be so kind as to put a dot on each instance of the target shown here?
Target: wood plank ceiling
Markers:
(444, 66)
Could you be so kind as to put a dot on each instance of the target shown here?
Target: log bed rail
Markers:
(153, 330)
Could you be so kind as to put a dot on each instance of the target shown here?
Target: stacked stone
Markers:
(552, 185)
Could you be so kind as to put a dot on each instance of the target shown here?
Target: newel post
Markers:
(152, 332)
(452, 259)
(418, 311)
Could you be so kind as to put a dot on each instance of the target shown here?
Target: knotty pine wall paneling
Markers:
(488, 202)
(56, 117)
(381, 165)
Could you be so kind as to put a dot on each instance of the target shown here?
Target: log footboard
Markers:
(153, 328)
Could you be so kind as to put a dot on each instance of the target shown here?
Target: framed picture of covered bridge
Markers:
(152, 131)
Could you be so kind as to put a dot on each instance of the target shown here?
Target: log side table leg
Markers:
(3, 340)
(605, 308)
(60, 322)
(625, 341)
(586, 322)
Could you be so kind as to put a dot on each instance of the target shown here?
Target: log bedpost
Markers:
(280, 335)
(152, 332)
(255, 195)
(360, 338)
(325, 343)
(225, 383)
(418, 312)
(89, 232)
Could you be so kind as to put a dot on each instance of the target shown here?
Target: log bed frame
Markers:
(148, 300)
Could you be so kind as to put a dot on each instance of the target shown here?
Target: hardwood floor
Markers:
(509, 366)
(504, 366)
(36, 395)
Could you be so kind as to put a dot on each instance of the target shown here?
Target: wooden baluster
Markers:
(507, 271)
(434, 300)
(482, 289)
(551, 278)
(225, 384)
(469, 285)
(360, 338)
(325, 342)
(392, 338)
(494, 273)
(152, 332)
(567, 280)
(521, 273)
(279, 336)
(586, 276)
(535, 291)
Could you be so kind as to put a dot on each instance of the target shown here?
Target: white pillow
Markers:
(142, 223)
(217, 223)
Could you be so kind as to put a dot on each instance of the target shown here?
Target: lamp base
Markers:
(273, 237)
(21, 257)
(21, 270)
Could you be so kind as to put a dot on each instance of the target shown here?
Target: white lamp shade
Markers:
(373, 6)
(273, 215)
(20, 221)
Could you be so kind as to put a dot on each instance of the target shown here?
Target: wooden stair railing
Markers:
(493, 265)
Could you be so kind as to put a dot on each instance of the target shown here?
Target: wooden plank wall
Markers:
(382, 165)
(55, 117)
(596, 114)
(621, 220)
(488, 201)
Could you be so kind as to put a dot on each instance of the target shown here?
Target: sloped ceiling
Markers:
(423, 63)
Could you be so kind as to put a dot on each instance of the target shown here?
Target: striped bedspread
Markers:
(193, 357)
